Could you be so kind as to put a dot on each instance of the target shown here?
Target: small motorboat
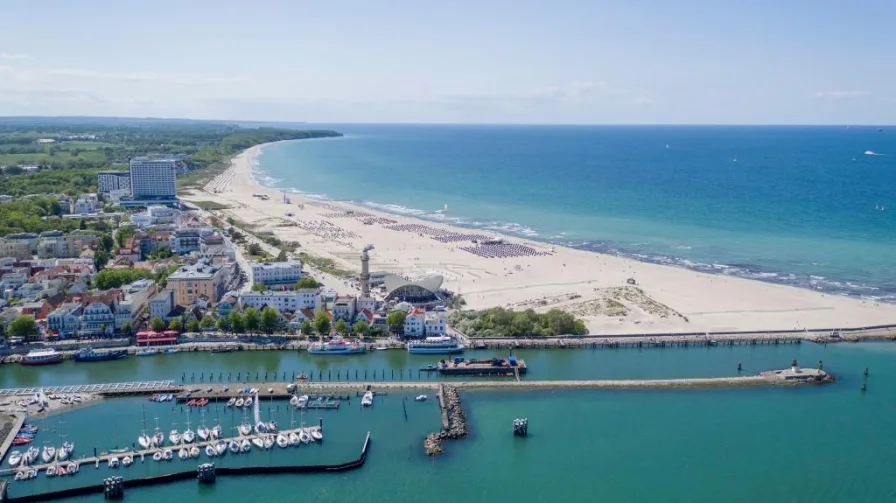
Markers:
(231, 402)
(15, 457)
(303, 402)
(194, 452)
(168, 455)
(367, 399)
(48, 454)
(50, 471)
(272, 426)
(245, 446)
(147, 352)
(157, 456)
(171, 351)
(258, 442)
(282, 441)
(294, 401)
(144, 440)
(221, 447)
(270, 390)
(244, 429)
(189, 436)
(113, 462)
(239, 402)
(420, 398)
(268, 441)
(210, 451)
(158, 439)
(248, 402)
(32, 454)
(261, 428)
(317, 435)
(304, 437)
(174, 437)
(183, 453)
(127, 461)
(294, 439)
(234, 446)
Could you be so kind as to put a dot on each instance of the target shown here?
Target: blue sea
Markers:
(812, 207)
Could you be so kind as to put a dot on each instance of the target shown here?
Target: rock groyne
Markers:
(454, 421)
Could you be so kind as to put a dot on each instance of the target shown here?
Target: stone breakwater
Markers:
(454, 421)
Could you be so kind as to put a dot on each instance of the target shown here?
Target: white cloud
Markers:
(841, 94)
(8, 56)
(48, 74)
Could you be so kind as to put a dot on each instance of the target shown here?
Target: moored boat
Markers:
(442, 345)
(367, 399)
(157, 456)
(113, 462)
(245, 446)
(15, 457)
(304, 437)
(42, 357)
(168, 455)
(420, 398)
(90, 355)
(282, 441)
(293, 439)
(210, 451)
(203, 433)
(183, 453)
(336, 346)
(258, 442)
(194, 452)
(317, 435)
(147, 352)
(268, 441)
(127, 461)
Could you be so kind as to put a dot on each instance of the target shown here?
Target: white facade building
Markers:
(135, 302)
(111, 181)
(434, 325)
(65, 319)
(86, 203)
(282, 301)
(95, 318)
(276, 273)
(414, 323)
(153, 178)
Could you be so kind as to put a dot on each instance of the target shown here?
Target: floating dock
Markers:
(140, 455)
(490, 367)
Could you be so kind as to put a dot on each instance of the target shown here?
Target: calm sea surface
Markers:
(830, 443)
(805, 206)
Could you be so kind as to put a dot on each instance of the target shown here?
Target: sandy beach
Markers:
(591, 285)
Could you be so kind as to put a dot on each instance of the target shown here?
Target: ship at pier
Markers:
(442, 345)
(336, 346)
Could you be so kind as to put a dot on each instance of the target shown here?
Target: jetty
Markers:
(121, 484)
(454, 421)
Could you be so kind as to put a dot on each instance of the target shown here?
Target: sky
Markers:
(461, 61)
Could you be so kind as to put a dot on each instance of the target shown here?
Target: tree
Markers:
(270, 319)
(395, 320)
(252, 320)
(322, 323)
(223, 323)
(106, 243)
(307, 282)
(103, 328)
(55, 207)
(207, 323)
(127, 328)
(122, 235)
(376, 331)
(255, 249)
(360, 328)
(23, 326)
(307, 328)
(237, 322)
(157, 324)
(114, 278)
(259, 287)
(100, 259)
(281, 257)
(341, 326)
(193, 325)
(176, 324)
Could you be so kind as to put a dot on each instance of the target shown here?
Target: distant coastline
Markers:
(511, 230)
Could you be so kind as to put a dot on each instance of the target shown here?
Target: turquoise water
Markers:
(790, 444)
(793, 205)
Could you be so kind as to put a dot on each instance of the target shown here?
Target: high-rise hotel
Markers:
(153, 178)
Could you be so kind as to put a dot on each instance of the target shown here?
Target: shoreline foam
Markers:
(706, 300)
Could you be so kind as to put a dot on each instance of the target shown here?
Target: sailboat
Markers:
(188, 436)
(268, 441)
(48, 453)
(260, 427)
(210, 451)
(202, 432)
(158, 438)
(258, 442)
(245, 446)
(183, 453)
(144, 440)
(173, 435)
(282, 441)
